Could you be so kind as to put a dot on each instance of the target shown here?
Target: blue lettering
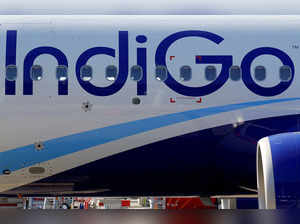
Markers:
(226, 61)
(123, 67)
(142, 61)
(160, 59)
(11, 52)
(29, 60)
(257, 89)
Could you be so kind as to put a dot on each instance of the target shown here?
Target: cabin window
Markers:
(260, 73)
(210, 73)
(62, 73)
(161, 73)
(185, 73)
(86, 73)
(136, 73)
(285, 73)
(111, 73)
(11, 72)
(36, 72)
(235, 73)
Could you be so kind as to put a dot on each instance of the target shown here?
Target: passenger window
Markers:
(36, 72)
(260, 73)
(210, 73)
(62, 73)
(86, 73)
(185, 73)
(285, 73)
(11, 72)
(235, 73)
(136, 73)
(111, 73)
(161, 73)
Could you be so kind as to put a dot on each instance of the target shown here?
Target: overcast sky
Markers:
(150, 7)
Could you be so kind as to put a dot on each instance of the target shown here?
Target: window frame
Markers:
(16, 76)
(166, 70)
(117, 74)
(205, 72)
(240, 75)
(65, 67)
(260, 66)
(81, 73)
(291, 73)
(180, 73)
(142, 72)
(42, 72)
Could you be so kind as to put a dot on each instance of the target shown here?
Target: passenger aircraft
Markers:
(150, 105)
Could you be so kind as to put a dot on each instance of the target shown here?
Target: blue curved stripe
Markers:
(26, 156)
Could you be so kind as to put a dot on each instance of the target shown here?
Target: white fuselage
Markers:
(27, 119)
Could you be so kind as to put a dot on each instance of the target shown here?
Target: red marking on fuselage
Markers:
(171, 58)
(199, 57)
(199, 101)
